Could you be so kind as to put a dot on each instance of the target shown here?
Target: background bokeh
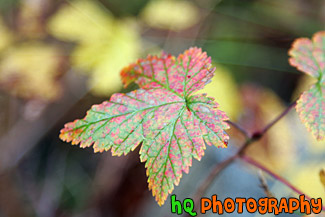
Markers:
(59, 57)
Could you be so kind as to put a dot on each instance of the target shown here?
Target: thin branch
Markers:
(264, 184)
(284, 113)
(239, 128)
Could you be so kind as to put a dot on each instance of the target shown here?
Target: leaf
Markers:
(81, 20)
(104, 44)
(304, 83)
(322, 177)
(309, 57)
(311, 110)
(30, 70)
(170, 14)
(171, 123)
(6, 36)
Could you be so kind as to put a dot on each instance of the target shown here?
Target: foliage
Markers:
(21, 73)
(309, 56)
(164, 115)
(170, 14)
(24, 76)
(104, 44)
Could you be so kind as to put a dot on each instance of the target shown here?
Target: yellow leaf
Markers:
(5, 36)
(104, 44)
(121, 50)
(170, 14)
(81, 21)
(31, 70)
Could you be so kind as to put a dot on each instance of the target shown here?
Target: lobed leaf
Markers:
(309, 57)
(104, 44)
(311, 110)
(188, 73)
(171, 123)
(23, 75)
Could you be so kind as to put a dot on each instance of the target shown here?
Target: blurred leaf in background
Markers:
(31, 70)
(5, 36)
(104, 44)
(29, 66)
(170, 14)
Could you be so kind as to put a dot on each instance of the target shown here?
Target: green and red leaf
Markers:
(309, 57)
(172, 124)
(311, 110)
(188, 73)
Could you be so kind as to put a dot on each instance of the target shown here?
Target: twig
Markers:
(239, 128)
(263, 184)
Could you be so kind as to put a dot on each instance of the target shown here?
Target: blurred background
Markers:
(59, 57)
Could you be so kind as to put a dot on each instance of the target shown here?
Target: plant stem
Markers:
(284, 113)
(239, 128)
(239, 154)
